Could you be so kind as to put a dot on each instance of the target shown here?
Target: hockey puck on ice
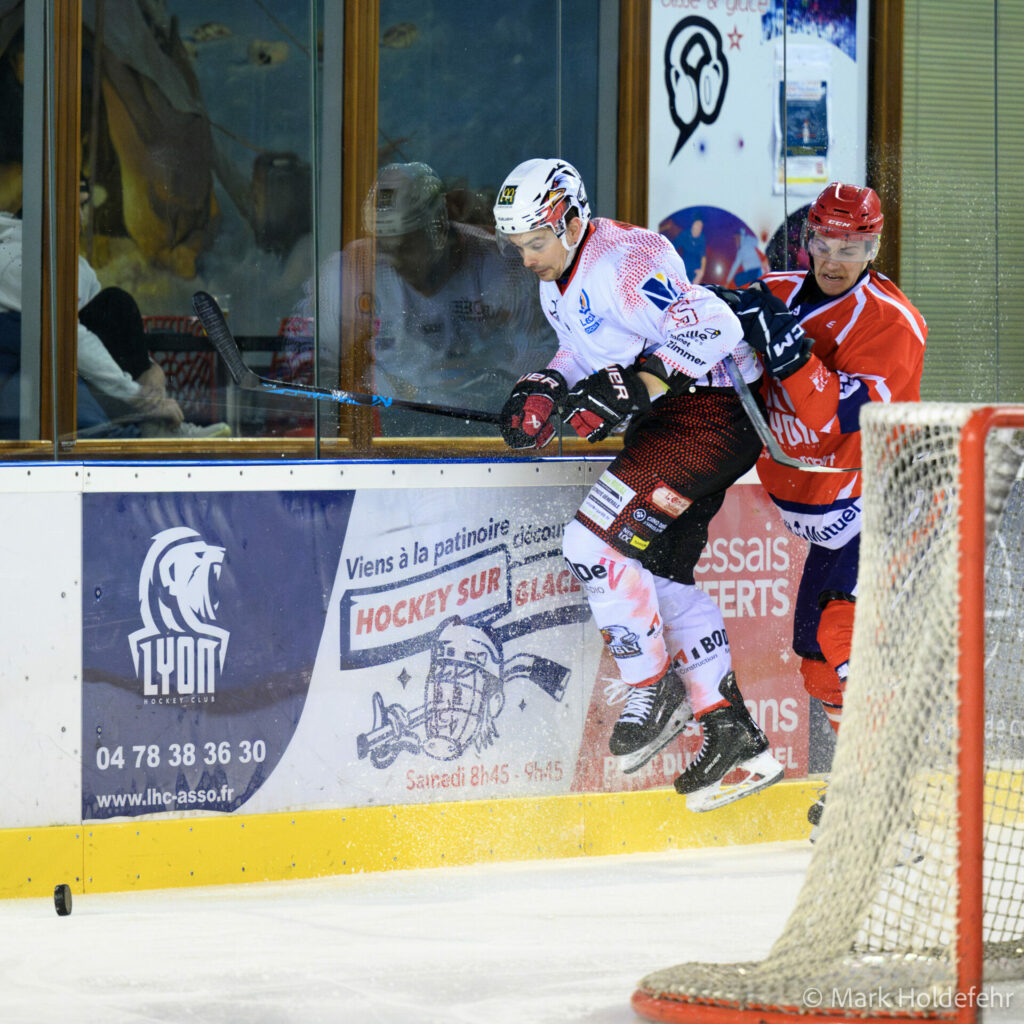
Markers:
(62, 899)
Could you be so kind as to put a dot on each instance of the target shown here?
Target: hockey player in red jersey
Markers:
(868, 346)
(641, 349)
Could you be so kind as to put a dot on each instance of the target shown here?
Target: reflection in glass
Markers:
(196, 140)
(12, 102)
(424, 306)
(442, 315)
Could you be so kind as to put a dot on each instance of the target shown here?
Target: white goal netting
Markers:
(879, 911)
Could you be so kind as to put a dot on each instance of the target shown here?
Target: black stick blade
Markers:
(217, 330)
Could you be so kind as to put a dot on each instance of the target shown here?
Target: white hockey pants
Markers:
(647, 621)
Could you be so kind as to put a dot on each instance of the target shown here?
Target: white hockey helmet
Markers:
(406, 198)
(541, 193)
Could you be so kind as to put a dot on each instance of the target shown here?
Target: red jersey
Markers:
(868, 347)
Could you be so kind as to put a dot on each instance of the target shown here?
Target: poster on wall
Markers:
(275, 651)
(755, 106)
(803, 133)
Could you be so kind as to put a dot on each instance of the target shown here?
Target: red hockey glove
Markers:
(526, 417)
(769, 327)
(600, 402)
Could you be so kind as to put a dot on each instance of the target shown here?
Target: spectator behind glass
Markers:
(444, 316)
(114, 360)
(121, 392)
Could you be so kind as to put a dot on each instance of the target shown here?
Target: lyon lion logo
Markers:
(179, 648)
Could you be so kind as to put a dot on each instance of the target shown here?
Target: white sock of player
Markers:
(696, 640)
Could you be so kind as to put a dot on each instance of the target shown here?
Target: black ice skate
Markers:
(732, 743)
(653, 715)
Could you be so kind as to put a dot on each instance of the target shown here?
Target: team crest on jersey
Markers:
(589, 320)
(682, 314)
(820, 378)
(660, 290)
(179, 652)
(621, 641)
(507, 196)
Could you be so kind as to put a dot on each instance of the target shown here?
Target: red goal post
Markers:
(914, 895)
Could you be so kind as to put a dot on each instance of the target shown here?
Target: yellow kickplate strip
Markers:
(164, 853)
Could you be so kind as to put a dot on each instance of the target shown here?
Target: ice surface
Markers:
(547, 942)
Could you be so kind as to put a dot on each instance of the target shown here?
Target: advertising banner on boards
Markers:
(201, 618)
(283, 650)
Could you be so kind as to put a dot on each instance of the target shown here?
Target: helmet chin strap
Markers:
(571, 249)
(570, 253)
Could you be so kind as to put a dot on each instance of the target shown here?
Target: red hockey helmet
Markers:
(843, 209)
(846, 214)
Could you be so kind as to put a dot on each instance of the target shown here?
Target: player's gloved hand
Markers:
(602, 401)
(769, 327)
(526, 417)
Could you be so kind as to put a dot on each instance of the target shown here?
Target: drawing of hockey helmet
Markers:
(463, 693)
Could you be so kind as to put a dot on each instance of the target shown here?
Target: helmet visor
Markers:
(514, 242)
(855, 247)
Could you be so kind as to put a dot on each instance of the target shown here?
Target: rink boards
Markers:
(223, 672)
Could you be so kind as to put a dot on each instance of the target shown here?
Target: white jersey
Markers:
(628, 297)
(95, 363)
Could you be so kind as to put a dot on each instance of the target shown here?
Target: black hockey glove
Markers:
(768, 327)
(602, 401)
(526, 417)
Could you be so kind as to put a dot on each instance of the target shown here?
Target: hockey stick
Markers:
(223, 341)
(768, 439)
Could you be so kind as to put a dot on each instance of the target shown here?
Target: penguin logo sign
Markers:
(696, 75)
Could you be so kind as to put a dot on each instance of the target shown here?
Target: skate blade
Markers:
(762, 772)
(630, 763)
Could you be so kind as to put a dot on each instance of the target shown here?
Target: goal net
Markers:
(914, 895)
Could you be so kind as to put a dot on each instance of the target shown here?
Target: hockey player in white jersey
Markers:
(641, 349)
